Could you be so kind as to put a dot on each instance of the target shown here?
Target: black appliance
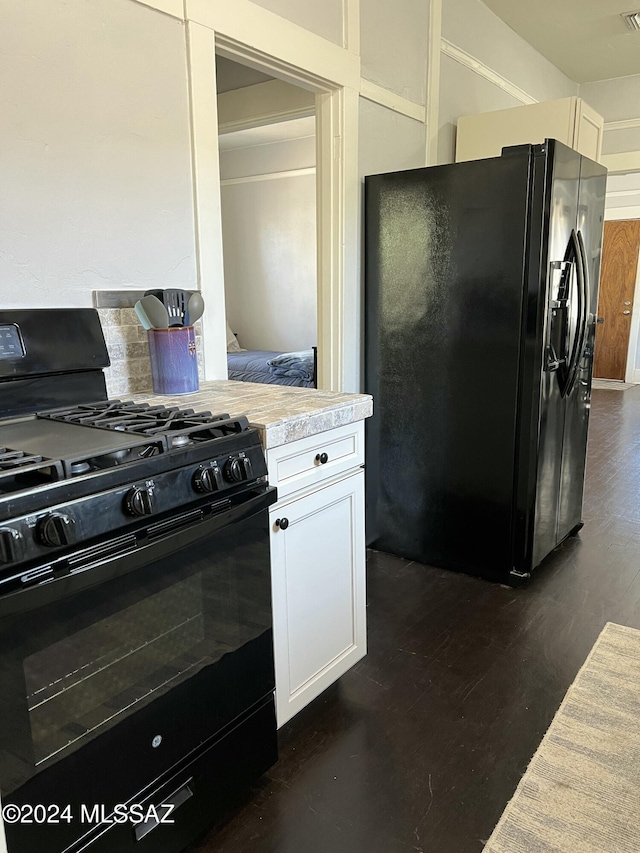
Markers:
(481, 298)
(136, 663)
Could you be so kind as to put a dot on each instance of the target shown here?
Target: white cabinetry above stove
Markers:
(317, 563)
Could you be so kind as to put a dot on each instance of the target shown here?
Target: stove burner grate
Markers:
(18, 467)
(181, 426)
(13, 459)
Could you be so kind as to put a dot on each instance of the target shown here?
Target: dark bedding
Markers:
(251, 366)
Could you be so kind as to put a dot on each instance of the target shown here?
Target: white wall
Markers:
(95, 171)
(623, 196)
(617, 101)
(324, 18)
(269, 238)
(475, 28)
(95, 152)
(394, 45)
(462, 92)
(471, 26)
(388, 141)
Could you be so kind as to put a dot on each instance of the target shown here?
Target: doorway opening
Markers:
(617, 352)
(267, 152)
(336, 115)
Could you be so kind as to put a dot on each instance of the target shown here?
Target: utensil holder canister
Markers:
(174, 360)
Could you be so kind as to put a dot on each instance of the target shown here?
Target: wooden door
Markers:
(615, 303)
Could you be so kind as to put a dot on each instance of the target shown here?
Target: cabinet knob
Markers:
(322, 458)
(282, 523)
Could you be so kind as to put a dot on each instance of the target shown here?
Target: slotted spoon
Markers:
(175, 301)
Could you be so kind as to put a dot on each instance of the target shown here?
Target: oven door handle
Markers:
(136, 555)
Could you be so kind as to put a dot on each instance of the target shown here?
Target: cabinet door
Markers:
(318, 575)
(569, 120)
(589, 127)
(486, 134)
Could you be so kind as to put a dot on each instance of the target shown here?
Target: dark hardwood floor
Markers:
(420, 746)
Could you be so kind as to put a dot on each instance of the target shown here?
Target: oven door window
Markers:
(132, 674)
(86, 682)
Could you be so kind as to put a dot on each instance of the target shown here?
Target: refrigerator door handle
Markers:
(583, 307)
(567, 366)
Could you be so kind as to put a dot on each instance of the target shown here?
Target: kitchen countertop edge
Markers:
(282, 414)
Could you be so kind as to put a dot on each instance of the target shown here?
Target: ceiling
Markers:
(586, 39)
(231, 75)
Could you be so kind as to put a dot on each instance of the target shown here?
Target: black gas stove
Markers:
(72, 474)
(135, 600)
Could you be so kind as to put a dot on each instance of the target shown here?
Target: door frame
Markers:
(631, 374)
(245, 32)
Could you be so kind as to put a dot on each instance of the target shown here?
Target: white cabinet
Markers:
(569, 120)
(306, 462)
(318, 570)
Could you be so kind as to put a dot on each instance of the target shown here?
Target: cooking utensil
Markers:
(142, 316)
(195, 309)
(155, 311)
(159, 294)
(175, 302)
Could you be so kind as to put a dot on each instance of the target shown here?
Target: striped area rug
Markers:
(581, 791)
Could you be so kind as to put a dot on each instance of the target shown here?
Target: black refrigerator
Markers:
(481, 290)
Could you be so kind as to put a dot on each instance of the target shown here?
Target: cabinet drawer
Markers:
(308, 461)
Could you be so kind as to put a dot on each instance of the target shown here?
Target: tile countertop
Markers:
(281, 413)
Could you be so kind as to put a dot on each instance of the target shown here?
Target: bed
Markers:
(298, 369)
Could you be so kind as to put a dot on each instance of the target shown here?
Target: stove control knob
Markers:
(207, 478)
(56, 530)
(139, 501)
(237, 469)
(11, 545)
